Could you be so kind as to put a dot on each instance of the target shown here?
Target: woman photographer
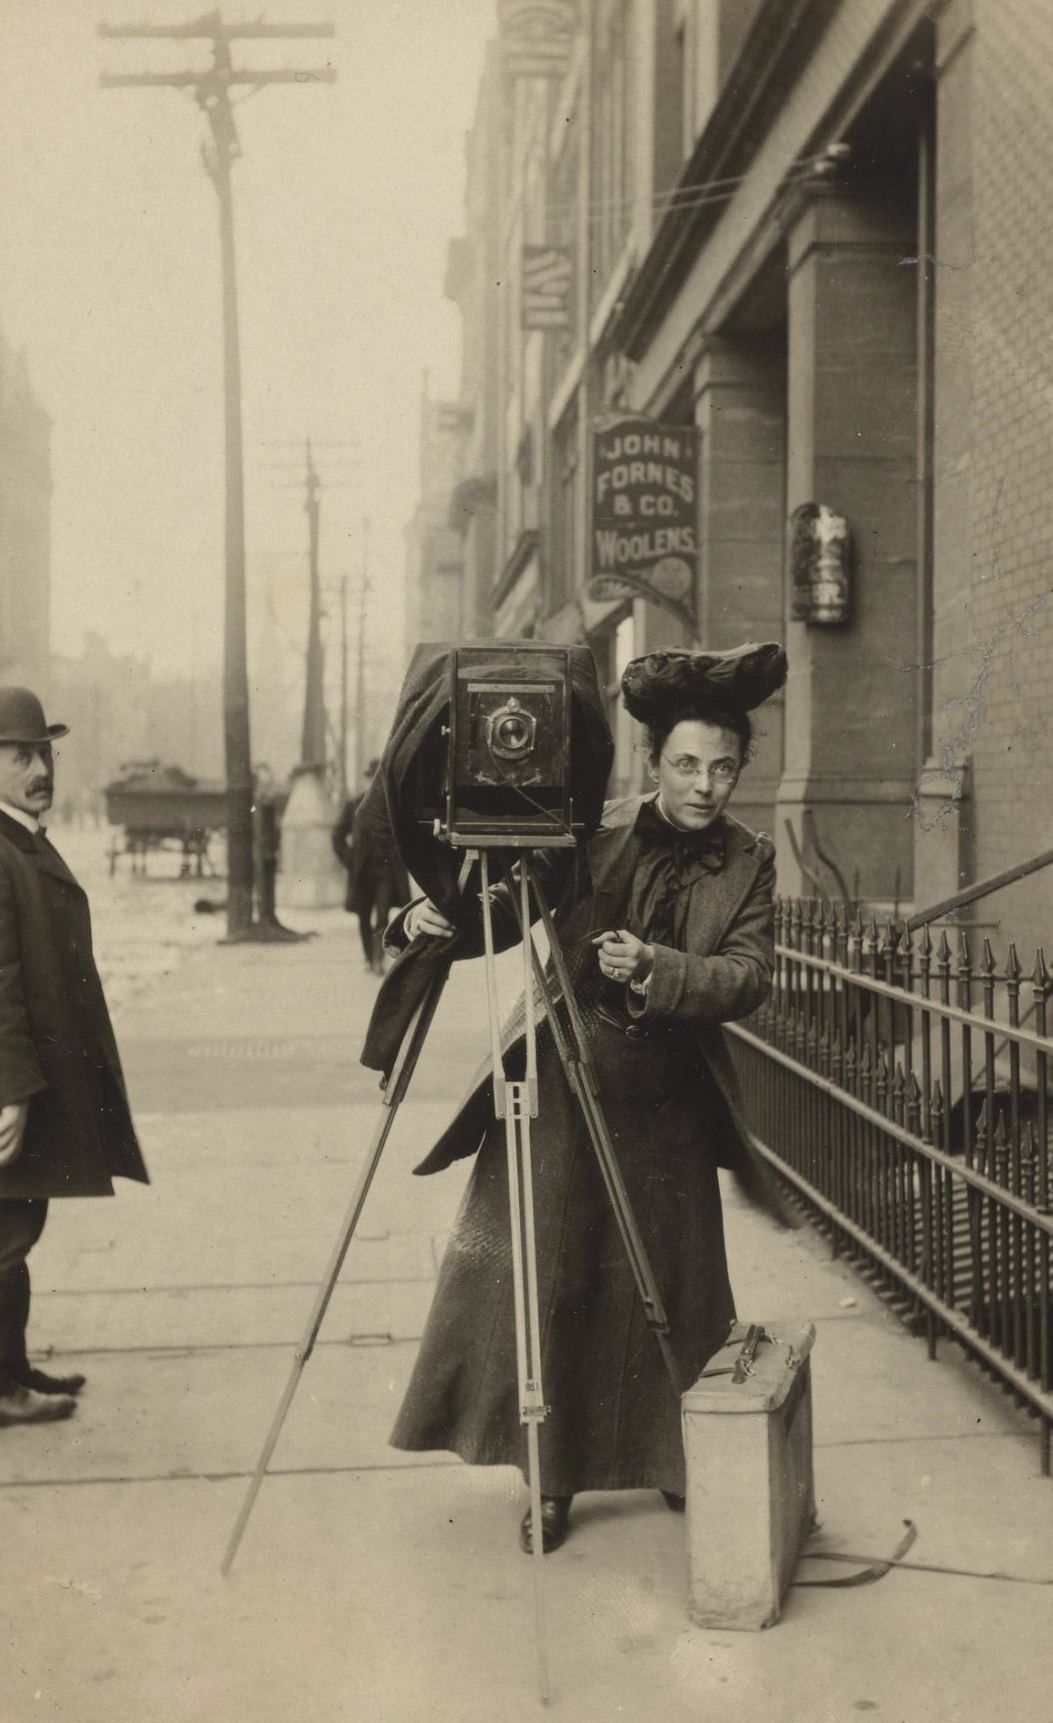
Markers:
(668, 935)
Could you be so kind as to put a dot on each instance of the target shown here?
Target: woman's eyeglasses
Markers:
(686, 766)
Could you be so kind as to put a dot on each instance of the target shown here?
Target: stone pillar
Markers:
(310, 877)
(944, 838)
(740, 398)
(851, 444)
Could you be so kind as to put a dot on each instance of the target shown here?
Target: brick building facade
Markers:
(993, 574)
(815, 229)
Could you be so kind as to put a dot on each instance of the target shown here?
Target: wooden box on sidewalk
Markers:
(750, 1488)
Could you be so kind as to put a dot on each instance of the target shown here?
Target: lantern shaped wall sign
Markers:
(820, 556)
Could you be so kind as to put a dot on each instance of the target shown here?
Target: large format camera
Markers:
(495, 768)
(495, 744)
(506, 772)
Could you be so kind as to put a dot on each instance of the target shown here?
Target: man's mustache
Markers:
(41, 784)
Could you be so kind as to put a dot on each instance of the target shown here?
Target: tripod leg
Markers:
(581, 1077)
(517, 1103)
(394, 1094)
(532, 1407)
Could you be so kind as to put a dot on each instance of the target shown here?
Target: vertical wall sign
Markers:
(536, 36)
(547, 284)
(644, 514)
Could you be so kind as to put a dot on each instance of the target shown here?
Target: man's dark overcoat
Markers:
(57, 1047)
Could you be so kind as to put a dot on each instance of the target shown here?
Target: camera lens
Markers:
(513, 734)
(512, 731)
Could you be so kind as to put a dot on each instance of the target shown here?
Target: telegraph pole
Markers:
(211, 89)
(343, 689)
(312, 750)
(361, 739)
(339, 733)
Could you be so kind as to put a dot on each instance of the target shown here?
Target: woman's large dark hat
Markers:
(737, 681)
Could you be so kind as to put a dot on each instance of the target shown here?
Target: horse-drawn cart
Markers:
(163, 807)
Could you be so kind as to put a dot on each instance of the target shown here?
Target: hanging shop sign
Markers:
(820, 558)
(537, 36)
(644, 514)
(547, 277)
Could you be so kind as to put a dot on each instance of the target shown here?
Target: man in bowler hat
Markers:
(65, 1126)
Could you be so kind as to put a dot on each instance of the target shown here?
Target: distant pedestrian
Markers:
(65, 1125)
(376, 878)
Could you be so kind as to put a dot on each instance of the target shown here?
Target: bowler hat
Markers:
(22, 718)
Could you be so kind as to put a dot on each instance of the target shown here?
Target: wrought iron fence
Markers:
(901, 1088)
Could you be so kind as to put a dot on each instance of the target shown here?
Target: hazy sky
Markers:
(345, 200)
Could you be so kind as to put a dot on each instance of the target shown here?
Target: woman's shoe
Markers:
(675, 1504)
(555, 1513)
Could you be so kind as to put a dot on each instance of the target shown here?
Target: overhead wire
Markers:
(711, 190)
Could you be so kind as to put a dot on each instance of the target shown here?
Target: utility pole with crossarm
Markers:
(211, 89)
(312, 747)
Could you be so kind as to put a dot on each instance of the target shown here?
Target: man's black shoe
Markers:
(555, 1513)
(19, 1405)
(41, 1383)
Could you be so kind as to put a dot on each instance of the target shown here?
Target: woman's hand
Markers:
(623, 957)
(425, 918)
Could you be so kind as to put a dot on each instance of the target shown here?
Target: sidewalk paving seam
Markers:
(176, 1349)
(228, 1477)
(230, 1286)
(937, 1436)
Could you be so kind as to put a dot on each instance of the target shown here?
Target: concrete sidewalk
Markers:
(378, 1586)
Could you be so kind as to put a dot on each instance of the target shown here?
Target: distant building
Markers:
(473, 283)
(118, 711)
(816, 231)
(435, 603)
(25, 525)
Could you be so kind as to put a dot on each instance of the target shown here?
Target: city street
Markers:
(389, 1587)
(429, 424)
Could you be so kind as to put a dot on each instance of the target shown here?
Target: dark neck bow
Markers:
(705, 850)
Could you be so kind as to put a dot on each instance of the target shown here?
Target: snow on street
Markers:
(142, 928)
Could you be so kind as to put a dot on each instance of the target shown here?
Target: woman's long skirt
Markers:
(613, 1421)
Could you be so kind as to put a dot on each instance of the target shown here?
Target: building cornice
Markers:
(888, 39)
(769, 60)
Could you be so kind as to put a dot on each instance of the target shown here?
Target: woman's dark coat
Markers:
(57, 1047)
(672, 1104)
(725, 974)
